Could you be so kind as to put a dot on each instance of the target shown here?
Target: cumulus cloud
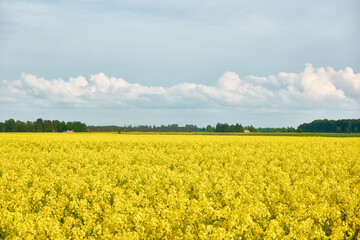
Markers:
(320, 88)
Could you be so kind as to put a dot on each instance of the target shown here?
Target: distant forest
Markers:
(40, 125)
(220, 127)
(146, 128)
(224, 127)
(332, 126)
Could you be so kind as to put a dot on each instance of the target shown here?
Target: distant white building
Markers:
(246, 130)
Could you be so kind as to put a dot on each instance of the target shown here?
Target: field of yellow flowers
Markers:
(117, 186)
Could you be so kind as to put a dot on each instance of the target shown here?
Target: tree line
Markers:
(332, 126)
(147, 128)
(41, 125)
(220, 127)
(283, 129)
(224, 127)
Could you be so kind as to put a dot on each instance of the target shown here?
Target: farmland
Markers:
(147, 186)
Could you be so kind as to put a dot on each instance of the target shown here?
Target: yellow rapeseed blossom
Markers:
(118, 186)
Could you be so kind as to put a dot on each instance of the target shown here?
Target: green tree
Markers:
(76, 126)
(341, 126)
(251, 128)
(30, 126)
(10, 125)
(48, 126)
(209, 128)
(62, 127)
(55, 124)
(20, 126)
(39, 125)
(239, 128)
(222, 127)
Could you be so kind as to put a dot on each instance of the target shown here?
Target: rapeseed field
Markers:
(117, 186)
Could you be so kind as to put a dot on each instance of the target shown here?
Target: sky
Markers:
(135, 62)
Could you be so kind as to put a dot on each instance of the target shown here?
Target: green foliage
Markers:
(209, 128)
(332, 126)
(10, 125)
(41, 125)
(316, 126)
(224, 127)
(146, 128)
(76, 126)
(283, 129)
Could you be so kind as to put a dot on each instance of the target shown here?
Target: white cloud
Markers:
(314, 88)
(317, 84)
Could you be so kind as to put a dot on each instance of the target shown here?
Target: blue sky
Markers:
(277, 63)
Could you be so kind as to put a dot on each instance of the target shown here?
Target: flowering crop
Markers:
(116, 186)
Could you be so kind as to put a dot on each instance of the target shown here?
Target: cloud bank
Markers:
(313, 88)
